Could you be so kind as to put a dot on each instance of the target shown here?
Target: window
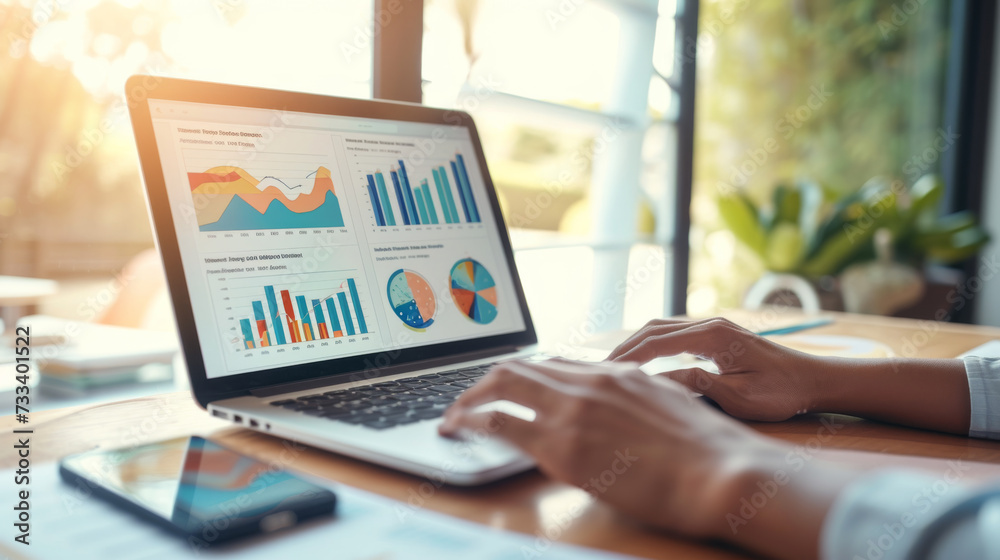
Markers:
(838, 92)
(577, 117)
(72, 205)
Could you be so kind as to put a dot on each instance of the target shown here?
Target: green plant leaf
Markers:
(739, 216)
(784, 247)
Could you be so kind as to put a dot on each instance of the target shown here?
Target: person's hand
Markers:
(641, 443)
(757, 380)
(646, 447)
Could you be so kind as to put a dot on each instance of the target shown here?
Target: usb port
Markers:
(220, 414)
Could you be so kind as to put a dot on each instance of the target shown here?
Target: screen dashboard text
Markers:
(310, 237)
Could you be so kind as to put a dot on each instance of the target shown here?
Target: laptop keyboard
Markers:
(390, 403)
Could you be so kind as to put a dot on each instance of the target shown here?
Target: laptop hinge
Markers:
(376, 372)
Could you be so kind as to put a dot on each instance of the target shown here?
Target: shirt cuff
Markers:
(984, 396)
(883, 514)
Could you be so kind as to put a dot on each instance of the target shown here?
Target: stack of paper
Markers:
(78, 355)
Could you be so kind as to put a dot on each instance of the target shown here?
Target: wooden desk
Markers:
(530, 503)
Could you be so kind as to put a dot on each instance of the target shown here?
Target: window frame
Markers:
(968, 90)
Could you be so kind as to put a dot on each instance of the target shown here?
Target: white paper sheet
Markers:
(66, 524)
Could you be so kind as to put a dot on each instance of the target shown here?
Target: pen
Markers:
(796, 328)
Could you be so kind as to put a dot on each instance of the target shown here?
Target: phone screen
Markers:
(201, 488)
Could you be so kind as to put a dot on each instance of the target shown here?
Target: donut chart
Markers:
(474, 291)
(412, 299)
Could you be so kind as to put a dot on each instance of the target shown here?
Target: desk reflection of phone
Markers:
(198, 488)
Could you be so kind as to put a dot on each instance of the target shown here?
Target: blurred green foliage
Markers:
(805, 233)
(839, 91)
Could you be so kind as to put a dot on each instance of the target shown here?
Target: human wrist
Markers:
(836, 383)
(770, 485)
(739, 476)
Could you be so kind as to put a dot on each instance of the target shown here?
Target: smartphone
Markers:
(205, 492)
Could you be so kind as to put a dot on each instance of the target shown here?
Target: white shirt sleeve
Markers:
(910, 515)
(984, 396)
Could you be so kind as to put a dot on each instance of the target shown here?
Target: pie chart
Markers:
(474, 291)
(412, 299)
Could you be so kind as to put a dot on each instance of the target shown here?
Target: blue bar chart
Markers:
(302, 317)
(396, 200)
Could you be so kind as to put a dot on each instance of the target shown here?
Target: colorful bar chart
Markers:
(373, 194)
(388, 218)
(248, 339)
(400, 198)
(334, 321)
(462, 177)
(262, 332)
(348, 324)
(415, 204)
(290, 321)
(306, 333)
(356, 299)
(444, 192)
(411, 204)
(305, 320)
(272, 308)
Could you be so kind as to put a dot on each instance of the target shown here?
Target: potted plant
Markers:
(870, 246)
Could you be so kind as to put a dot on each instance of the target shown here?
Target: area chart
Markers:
(229, 198)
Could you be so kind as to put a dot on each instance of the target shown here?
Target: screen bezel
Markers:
(140, 89)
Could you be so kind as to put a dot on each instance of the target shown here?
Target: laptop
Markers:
(339, 269)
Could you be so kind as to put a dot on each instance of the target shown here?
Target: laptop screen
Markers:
(308, 237)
